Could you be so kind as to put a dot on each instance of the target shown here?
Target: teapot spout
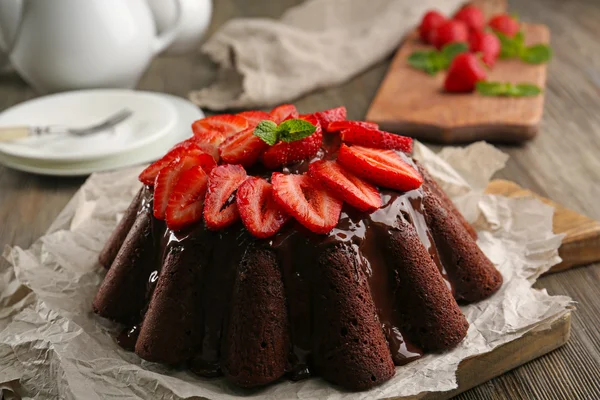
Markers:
(10, 20)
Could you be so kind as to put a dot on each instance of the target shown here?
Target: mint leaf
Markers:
(451, 50)
(295, 129)
(511, 47)
(434, 61)
(536, 54)
(486, 88)
(266, 130)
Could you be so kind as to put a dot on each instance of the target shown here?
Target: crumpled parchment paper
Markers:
(53, 346)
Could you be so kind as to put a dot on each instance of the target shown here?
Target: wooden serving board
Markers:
(413, 103)
(581, 244)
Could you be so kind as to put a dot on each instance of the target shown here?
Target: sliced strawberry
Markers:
(345, 185)
(287, 153)
(328, 116)
(283, 112)
(381, 167)
(254, 117)
(309, 204)
(337, 126)
(148, 175)
(214, 130)
(220, 209)
(261, 214)
(186, 200)
(243, 148)
(168, 177)
(377, 139)
(205, 147)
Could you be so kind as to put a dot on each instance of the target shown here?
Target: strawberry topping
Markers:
(214, 130)
(336, 126)
(260, 213)
(186, 199)
(254, 117)
(219, 209)
(345, 185)
(283, 112)
(328, 116)
(381, 167)
(310, 205)
(148, 175)
(284, 153)
(376, 138)
(243, 148)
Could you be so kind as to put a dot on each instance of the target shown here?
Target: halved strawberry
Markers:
(187, 199)
(148, 175)
(213, 130)
(336, 126)
(254, 117)
(260, 213)
(168, 177)
(283, 112)
(220, 210)
(381, 167)
(309, 204)
(205, 147)
(328, 116)
(243, 148)
(345, 185)
(376, 138)
(287, 153)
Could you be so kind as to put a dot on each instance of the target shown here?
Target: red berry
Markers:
(345, 185)
(283, 112)
(214, 130)
(381, 167)
(472, 16)
(309, 204)
(336, 126)
(148, 175)
(186, 200)
(377, 139)
(205, 147)
(504, 24)
(431, 20)
(261, 214)
(464, 72)
(487, 44)
(328, 116)
(243, 148)
(168, 177)
(287, 153)
(219, 210)
(255, 117)
(448, 32)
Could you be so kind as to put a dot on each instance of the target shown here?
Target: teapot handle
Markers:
(164, 40)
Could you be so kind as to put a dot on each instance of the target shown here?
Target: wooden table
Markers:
(563, 163)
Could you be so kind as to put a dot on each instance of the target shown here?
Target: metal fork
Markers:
(12, 133)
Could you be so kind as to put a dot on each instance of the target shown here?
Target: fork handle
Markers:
(8, 134)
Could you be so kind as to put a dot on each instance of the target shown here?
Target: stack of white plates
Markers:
(158, 122)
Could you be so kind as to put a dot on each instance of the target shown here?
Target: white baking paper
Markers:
(53, 346)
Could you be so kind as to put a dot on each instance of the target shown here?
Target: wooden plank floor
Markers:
(562, 163)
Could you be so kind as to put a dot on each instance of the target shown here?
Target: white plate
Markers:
(153, 117)
(186, 113)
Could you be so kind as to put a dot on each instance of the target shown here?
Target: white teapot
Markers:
(75, 44)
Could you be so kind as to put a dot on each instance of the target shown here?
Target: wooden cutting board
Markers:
(411, 102)
(581, 244)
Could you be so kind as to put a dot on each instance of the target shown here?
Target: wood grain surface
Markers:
(413, 103)
(562, 164)
(581, 244)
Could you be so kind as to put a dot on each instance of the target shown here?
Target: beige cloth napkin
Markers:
(319, 43)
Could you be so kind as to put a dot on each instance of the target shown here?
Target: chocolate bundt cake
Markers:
(258, 301)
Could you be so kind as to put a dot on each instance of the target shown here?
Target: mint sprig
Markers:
(507, 89)
(288, 131)
(514, 47)
(433, 61)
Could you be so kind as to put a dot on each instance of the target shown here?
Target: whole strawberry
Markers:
(450, 32)
(464, 72)
(472, 16)
(431, 20)
(505, 24)
(487, 44)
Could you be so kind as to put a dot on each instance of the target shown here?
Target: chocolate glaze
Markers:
(297, 252)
